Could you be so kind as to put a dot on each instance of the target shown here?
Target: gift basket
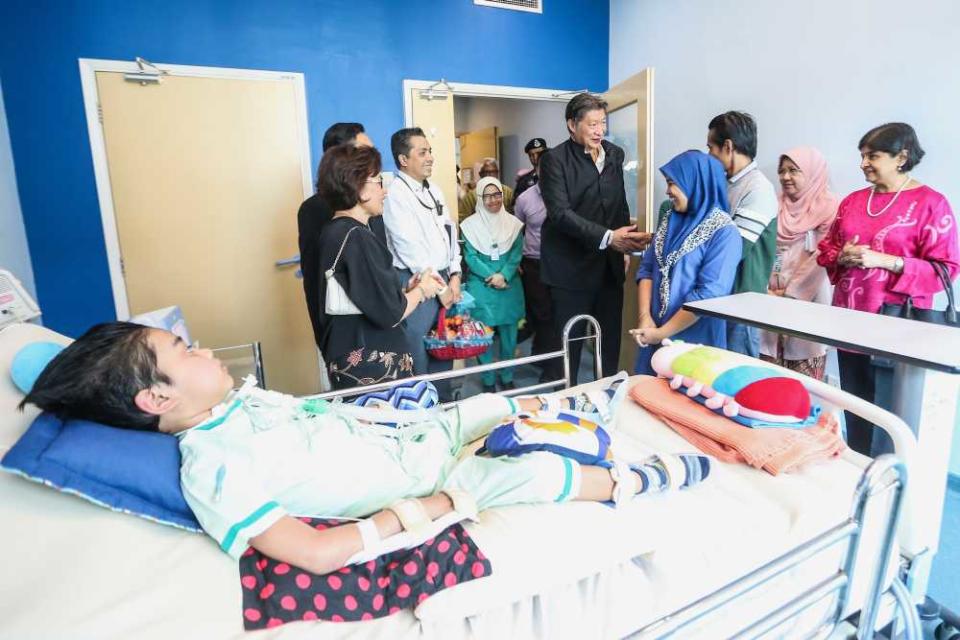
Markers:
(457, 335)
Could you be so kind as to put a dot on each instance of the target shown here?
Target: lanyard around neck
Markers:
(436, 205)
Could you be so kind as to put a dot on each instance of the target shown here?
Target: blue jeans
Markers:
(743, 339)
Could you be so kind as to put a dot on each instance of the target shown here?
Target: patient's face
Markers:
(197, 379)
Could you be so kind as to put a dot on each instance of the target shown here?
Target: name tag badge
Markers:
(495, 253)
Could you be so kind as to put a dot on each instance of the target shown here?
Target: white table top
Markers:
(918, 343)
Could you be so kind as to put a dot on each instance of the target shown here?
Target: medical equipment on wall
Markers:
(16, 305)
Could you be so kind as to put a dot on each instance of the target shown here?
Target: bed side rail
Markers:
(886, 473)
(568, 337)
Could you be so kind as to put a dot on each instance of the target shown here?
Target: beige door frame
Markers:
(638, 89)
(88, 70)
(441, 90)
(464, 90)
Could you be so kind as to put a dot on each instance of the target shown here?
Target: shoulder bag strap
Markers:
(329, 272)
(944, 274)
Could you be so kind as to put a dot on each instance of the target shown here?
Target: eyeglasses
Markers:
(378, 180)
(493, 196)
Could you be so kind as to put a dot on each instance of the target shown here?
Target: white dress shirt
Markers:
(418, 237)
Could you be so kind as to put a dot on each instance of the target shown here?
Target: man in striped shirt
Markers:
(732, 139)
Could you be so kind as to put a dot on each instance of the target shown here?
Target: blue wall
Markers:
(354, 54)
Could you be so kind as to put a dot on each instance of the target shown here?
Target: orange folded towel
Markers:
(775, 450)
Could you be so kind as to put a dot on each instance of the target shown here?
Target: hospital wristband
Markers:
(369, 534)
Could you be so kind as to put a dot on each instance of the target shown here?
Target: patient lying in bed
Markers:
(251, 457)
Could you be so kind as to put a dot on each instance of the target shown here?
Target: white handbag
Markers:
(337, 302)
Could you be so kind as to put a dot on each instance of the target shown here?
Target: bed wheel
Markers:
(946, 632)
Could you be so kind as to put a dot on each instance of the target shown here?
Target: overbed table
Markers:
(926, 383)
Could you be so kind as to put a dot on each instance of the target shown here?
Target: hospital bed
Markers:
(807, 554)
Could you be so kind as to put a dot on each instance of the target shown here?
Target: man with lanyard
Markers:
(422, 238)
(534, 150)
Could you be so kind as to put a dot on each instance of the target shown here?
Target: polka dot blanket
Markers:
(275, 593)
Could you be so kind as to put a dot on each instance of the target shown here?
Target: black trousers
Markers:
(858, 376)
(605, 303)
(540, 316)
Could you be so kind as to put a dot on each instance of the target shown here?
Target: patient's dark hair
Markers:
(98, 376)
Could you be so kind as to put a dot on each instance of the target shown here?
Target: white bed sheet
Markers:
(76, 570)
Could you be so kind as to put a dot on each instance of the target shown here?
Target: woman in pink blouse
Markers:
(880, 248)
(807, 210)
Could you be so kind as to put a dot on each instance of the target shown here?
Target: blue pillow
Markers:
(134, 472)
(30, 362)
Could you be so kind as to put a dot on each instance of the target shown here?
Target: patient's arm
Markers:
(294, 542)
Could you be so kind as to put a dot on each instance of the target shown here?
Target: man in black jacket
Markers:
(314, 215)
(587, 234)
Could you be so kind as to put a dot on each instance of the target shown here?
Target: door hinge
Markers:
(100, 113)
(123, 268)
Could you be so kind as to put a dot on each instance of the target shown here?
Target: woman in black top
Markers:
(363, 342)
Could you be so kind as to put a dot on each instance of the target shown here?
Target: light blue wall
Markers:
(819, 72)
(14, 254)
(354, 54)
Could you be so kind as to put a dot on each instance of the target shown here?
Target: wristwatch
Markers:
(898, 265)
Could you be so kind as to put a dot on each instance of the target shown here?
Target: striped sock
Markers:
(672, 471)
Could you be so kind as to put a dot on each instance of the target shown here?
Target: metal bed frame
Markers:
(887, 473)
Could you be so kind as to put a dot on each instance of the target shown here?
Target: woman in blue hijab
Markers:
(694, 256)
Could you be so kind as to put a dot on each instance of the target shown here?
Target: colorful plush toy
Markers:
(744, 389)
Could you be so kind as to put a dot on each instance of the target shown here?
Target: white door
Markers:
(204, 174)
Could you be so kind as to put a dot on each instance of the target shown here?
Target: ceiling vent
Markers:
(531, 6)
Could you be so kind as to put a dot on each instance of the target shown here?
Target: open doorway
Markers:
(504, 118)
(500, 128)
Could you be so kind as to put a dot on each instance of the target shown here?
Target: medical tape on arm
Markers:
(463, 503)
(412, 515)
(369, 534)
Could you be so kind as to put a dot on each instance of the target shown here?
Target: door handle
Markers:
(288, 262)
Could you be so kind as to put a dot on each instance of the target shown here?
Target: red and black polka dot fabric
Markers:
(275, 593)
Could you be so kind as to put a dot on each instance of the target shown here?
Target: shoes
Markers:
(660, 472)
(600, 402)
(507, 386)
(489, 388)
